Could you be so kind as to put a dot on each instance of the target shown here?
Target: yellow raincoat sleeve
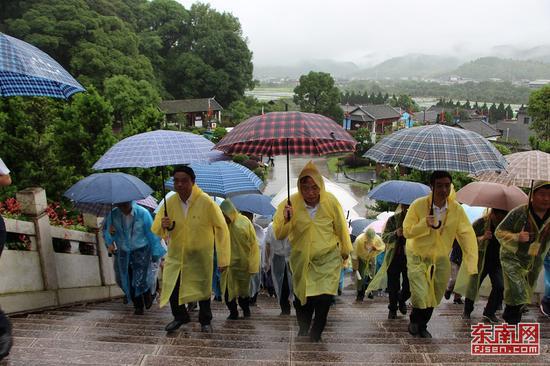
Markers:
(222, 239)
(281, 229)
(341, 228)
(254, 258)
(414, 225)
(467, 240)
(156, 228)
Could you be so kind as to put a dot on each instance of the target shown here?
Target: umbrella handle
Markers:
(165, 202)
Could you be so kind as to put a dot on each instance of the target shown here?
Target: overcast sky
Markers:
(289, 31)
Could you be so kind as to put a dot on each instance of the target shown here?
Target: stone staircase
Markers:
(109, 334)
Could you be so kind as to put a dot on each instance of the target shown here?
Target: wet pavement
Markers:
(109, 334)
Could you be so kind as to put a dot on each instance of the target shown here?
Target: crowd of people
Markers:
(206, 249)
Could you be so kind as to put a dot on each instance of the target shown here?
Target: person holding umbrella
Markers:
(431, 225)
(524, 236)
(188, 266)
(245, 261)
(127, 233)
(318, 233)
(395, 265)
(488, 265)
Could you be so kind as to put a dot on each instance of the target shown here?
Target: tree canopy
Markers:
(316, 93)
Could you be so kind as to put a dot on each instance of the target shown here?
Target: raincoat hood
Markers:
(229, 210)
(310, 170)
(540, 184)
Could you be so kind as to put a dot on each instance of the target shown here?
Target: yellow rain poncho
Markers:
(191, 246)
(365, 249)
(427, 249)
(317, 244)
(521, 264)
(245, 253)
(389, 237)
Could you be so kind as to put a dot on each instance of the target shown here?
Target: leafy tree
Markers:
(539, 110)
(317, 93)
(509, 112)
(364, 141)
(467, 105)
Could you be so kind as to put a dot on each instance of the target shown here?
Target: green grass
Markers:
(332, 164)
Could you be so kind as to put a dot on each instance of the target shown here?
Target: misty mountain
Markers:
(493, 67)
(411, 65)
(538, 53)
(335, 68)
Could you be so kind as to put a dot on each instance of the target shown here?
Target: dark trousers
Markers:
(180, 311)
(5, 326)
(398, 293)
(512, 314)
(497, 291)
(421, 317)
(244, 303)
(285, 293)
(319, 305)
(138, 301)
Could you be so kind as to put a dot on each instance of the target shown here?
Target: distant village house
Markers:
(204, 112)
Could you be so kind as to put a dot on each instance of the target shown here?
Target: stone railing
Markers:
(41, 278)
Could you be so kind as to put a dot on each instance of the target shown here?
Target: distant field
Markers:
(270, 93)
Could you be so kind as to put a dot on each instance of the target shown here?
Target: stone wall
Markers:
(40, 277)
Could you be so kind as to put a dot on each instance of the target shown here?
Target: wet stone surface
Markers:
(356, 334)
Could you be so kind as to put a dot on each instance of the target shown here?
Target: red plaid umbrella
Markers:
(279, 133)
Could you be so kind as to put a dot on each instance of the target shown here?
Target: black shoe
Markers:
(425, 334)
(458, 300)
(233, 316)
(175, 324)
(125, 300)
(139, 311)
(148, 300)
(303, 333)
(403, 308)
(246, 314)
(285, 313)
(413, 329)
(392, 314)
(545, 308)
(339, 291)
(207, 328)
(491, 318)
(6, 342)
(448, 294)
(315, 338)
(466, 316)
(370, 295)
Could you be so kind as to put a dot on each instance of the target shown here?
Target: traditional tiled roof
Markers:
(376, 111)
(189, 105)
(480, 127)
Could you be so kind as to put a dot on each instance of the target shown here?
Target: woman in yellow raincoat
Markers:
(245, 261)
(365, 249)
(428, 247)
(319, 240)
(394, 266)
(524, 237)
(188, 266)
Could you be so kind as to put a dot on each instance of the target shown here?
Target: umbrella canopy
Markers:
(158, 148)
(224, 179)
(108, 188)
(359, 225)
(438, 147)
(523, 167)
(378, 225)
(385, 215)
(268, 134)
(344, 197)
(255, 203)
(148, 202)
(473, 212)
(97, 209)
(493, 195)
(399, 191)
(27, 71)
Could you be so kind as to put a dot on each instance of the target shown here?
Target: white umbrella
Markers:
(344, 197)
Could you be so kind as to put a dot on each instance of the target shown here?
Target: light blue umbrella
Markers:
(224, 179)
(108, 188)
(27, 71)
(359, 225)
(399, 191)
(255, 203)
(158, 148)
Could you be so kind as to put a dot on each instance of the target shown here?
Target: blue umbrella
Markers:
(158, 148)
(108, 188)
(255, 203)
(359, 225)
(97, 209)
(224, 179)
(399, 191)
(27, 71)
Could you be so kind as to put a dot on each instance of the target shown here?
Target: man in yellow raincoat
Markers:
(188, 266)
(395, 265)
(245, 261)
(524, 237)
(430, 237)
(319, 240)
(365, 249)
